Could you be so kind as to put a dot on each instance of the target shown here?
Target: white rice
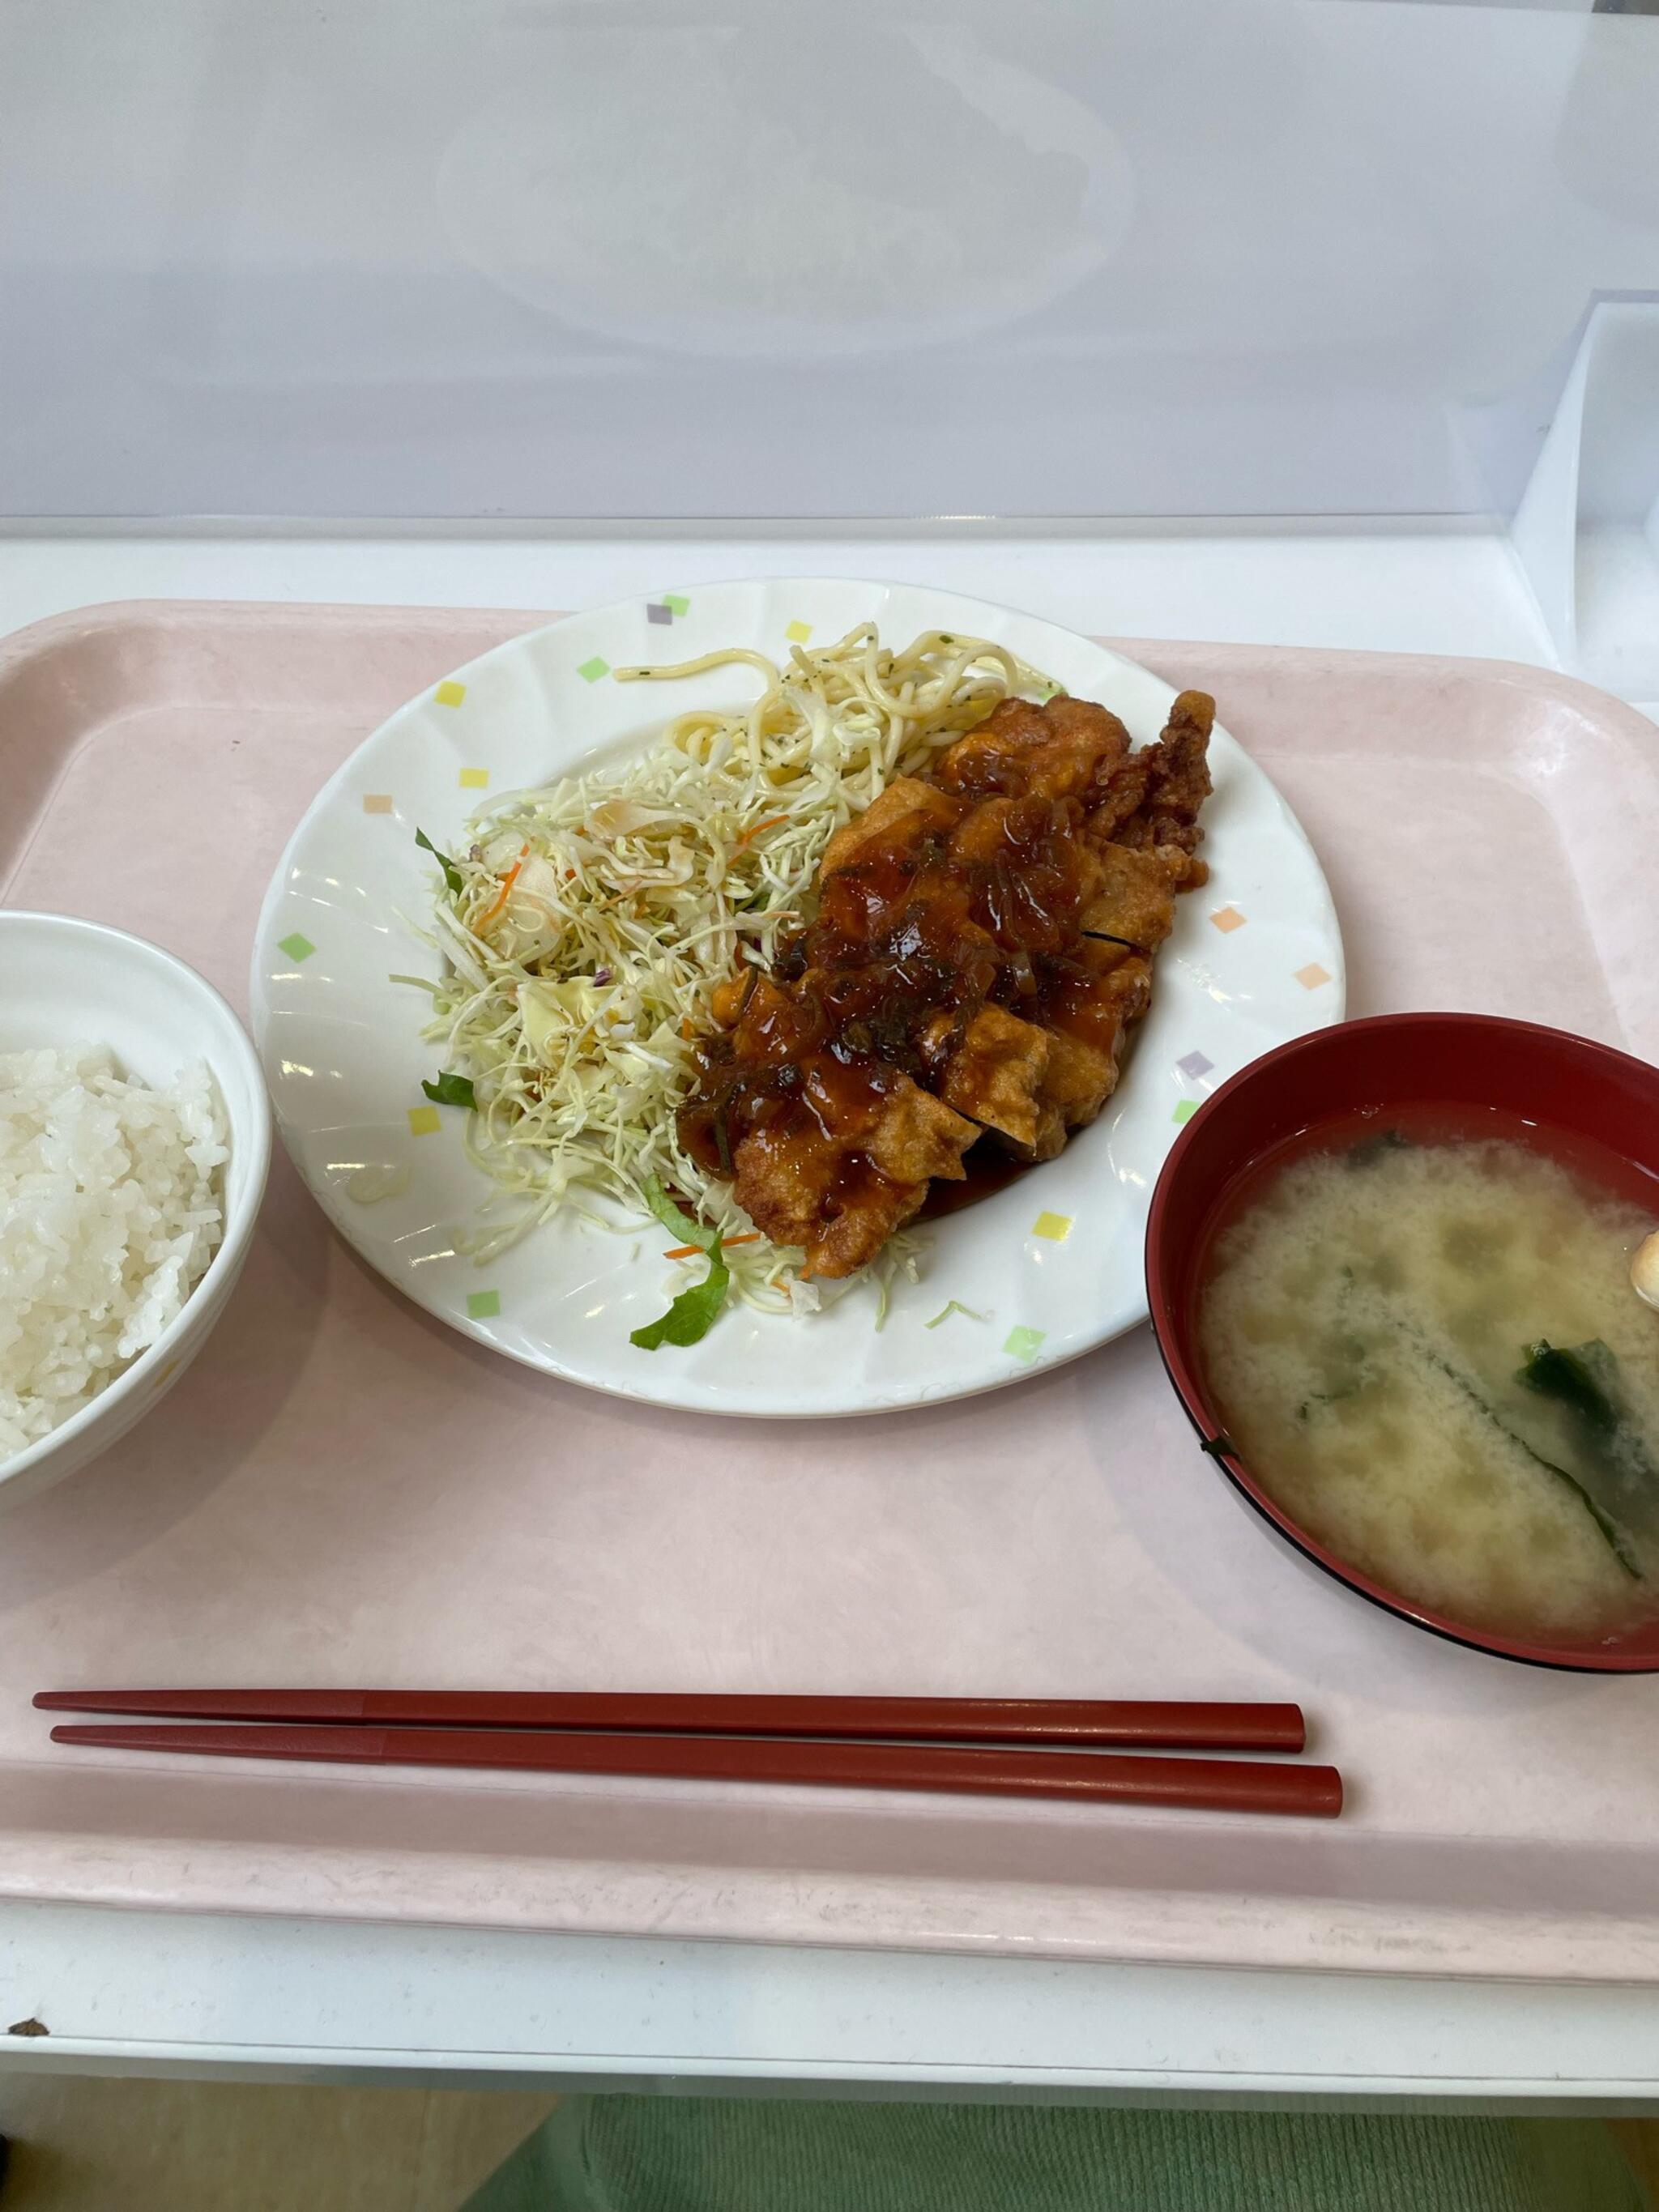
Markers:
(110, 1211)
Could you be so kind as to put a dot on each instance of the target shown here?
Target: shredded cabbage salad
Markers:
(585, 926)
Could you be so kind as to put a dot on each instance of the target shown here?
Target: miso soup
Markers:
(1428, 1351)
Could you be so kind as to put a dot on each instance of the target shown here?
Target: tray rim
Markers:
(19, 646)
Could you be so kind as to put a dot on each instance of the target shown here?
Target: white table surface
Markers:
(135, 1991)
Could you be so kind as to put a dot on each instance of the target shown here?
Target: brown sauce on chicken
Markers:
(982, 943)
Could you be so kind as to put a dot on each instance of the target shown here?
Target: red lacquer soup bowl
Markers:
(1595, 1109)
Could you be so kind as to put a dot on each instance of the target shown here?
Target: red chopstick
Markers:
(1082, 1723)
(1215, 1785)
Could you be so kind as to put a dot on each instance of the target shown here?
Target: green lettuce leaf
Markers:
(452, 875)
(451, 1090)
(695, 1312)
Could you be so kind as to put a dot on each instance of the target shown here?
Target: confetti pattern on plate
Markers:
(482, 1305)
(1312, 976)
(1056, 1227)
(449, 693)
(1023, 1343)
(474, 779)
(1194, 1065)
(1185, 1108)
(591, 671)
(377, 802)
(424, 1121)
(297, 946)
(1226, 918)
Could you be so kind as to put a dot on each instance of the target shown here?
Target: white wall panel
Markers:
(728, 257)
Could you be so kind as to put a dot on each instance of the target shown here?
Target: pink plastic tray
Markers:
(342, 1491)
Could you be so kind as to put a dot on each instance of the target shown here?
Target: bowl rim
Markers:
(1181, 1367)
(253, 1143)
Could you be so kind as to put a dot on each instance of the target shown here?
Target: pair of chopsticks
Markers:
(1084, 1751)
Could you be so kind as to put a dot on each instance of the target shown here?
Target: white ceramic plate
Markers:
(1052, 1266)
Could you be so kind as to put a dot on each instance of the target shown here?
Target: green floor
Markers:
(667, 2154)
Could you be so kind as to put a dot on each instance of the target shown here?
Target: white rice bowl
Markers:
(111, 1206)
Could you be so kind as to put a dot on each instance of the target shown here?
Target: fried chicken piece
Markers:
(1079, 1080)
(917, 1136)
(726, 1000)
(785, 1176)
(842, 1172)
(1133, 899)
(981, 839)
(1086, 1017)
(1118, 797)
(1106, 989)
(1047, 1140)
(992, 1070)
(1002, 831)
(1152, 799)
(775, 1028)
(981, 946)
(1165, 819)
(1180, 763)
(801, 1190)
(907, 812)
(1031, 875)
(1020, 751)
(866, 1211)
(1186, 871)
